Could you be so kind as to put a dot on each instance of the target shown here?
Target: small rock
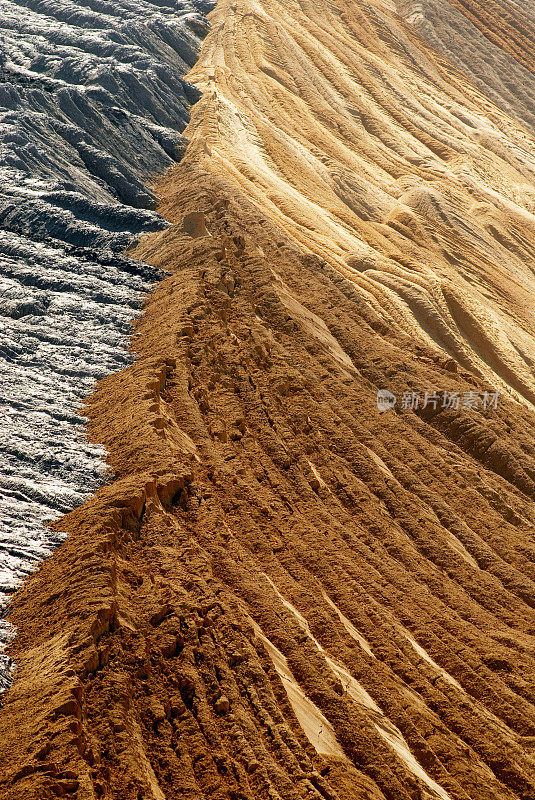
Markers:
(157, 710)
(222, 705)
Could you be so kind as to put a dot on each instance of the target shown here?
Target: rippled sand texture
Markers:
(487, 42)
(390, 168)
(285, 593)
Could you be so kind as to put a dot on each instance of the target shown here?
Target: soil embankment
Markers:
(286, 593)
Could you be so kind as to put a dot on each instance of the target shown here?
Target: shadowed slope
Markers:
(493, 48)
(92, 101)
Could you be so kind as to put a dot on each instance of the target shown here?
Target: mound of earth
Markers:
(291, 589)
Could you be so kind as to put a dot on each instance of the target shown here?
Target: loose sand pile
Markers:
(285, 592)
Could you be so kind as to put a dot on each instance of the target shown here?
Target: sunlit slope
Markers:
(285, 593)
(376, 155)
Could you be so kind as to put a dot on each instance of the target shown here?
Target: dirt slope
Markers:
(488, 42)
(286, 593)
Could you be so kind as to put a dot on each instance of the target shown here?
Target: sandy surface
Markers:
(285, 592)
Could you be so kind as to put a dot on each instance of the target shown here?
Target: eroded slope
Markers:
(286, 593)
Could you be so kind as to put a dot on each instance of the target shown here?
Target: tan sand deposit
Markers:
(286, 592)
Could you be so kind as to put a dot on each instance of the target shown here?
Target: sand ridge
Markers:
(384, 166)
(314, 256)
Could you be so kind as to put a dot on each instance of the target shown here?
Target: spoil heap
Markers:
(286, 592)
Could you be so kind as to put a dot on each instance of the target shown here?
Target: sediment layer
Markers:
(286, 592)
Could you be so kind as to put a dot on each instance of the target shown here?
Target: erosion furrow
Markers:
(292, 588)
